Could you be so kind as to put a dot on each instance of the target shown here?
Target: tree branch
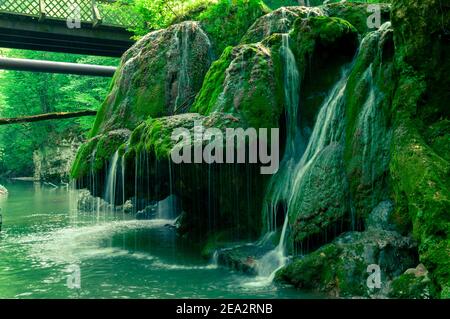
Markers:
(47, 116)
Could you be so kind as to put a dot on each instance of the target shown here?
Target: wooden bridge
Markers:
(93, 27)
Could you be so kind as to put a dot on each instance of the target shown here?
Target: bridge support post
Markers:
(42, 10)
(96, 17)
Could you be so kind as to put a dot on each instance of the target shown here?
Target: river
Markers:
(45, 241)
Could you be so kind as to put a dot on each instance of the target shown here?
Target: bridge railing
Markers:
(97, 12)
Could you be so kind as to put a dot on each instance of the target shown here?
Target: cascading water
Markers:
(183, 80)
(111, 180)
(327, 129)
(280, 183)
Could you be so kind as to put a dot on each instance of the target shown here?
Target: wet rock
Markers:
(149, 212)
(380, 217)
(242, 258)
(127, 207)
(341, 267)
(89, 204)
(320, 207)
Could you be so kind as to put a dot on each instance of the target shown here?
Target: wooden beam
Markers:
(47, 116)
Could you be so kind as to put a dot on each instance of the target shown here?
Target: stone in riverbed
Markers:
(341, 267)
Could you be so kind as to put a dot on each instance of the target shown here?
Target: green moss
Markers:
(315, 34)
(357, 14)
(244, 84)
(408, 286)
(228, 20)
(314, 271)
(93, 154)
(81, 165)
(213, 84)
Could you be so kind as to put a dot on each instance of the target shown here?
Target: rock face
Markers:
(341, 267)
(419, 169)
(243, 83)
(52, 163)
(321, 203)
(160, 75)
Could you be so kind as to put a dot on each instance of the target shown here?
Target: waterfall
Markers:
(183, 81)
(327, 129)
(280, 183)
(111, 181)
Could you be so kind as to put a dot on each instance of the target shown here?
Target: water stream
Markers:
(44, 237)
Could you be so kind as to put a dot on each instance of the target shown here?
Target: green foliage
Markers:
(26, 93)
(228, 20)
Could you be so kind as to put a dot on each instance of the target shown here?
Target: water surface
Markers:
(44, 237)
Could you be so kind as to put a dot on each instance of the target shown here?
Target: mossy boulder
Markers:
(321, 205)
(215, 196)
(341, 267)
(320, 34)
(278, 21)
(160, 75)
(95, 153)
(413, 284)
(243, 83)
(358, 14)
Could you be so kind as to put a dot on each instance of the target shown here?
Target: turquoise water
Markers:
(44, 239)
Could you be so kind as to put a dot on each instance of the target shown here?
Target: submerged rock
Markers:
(149, 212)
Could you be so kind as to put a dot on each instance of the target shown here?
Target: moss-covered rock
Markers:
(278, 21)
(358, 14)
(244, 84)
(368, 122)
(315, 35)
(97, 151)
(420, 175)
(340, 268)
(320, 206)
(413, 284)
(160, 75)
